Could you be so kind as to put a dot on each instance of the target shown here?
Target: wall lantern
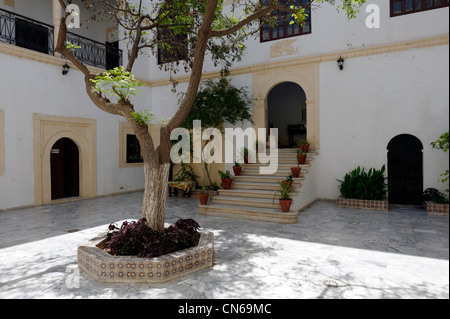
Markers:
(340, 63)
(66, 68)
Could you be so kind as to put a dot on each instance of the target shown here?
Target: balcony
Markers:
(37, 36)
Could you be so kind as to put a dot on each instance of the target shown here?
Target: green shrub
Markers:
(359, 184)
(432, 194)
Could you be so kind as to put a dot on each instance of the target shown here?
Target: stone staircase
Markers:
(252, 194)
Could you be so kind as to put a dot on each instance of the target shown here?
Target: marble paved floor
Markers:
(330, 253)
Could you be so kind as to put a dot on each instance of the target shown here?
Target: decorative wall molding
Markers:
(332, 56)
(49, 129)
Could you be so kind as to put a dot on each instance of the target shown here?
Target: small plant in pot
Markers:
(296, 169)
(203, 195)
(288, 181)
(303, 145)
(245, 155)
(301, 157)
(284, 196)
(237, 168)
(226, 179)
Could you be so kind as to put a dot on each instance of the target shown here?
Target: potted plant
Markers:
(296, 169)
(245, 154)
(203, 195)
(226, 179)
(301, 156)
(288, 181)
(237, 168)
(285, 197)
(259, 146)
(303, 145)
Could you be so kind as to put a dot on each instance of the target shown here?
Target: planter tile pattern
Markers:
(104, 267)
(362, 204)
(437, 209)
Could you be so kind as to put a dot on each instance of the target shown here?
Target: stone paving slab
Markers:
(331, 253)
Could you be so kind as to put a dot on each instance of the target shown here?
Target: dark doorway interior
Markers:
(405, 170)
(286, 110)
(112, 55)
(65, 169)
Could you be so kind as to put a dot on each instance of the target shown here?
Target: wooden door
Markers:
(65, 170)
(405, 170)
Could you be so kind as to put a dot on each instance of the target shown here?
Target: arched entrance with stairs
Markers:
(286, 110)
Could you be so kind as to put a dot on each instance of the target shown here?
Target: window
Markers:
(133, 150)
(283, 28)
(401, 7)
(172, 47)
(33, 36)
(129, 148)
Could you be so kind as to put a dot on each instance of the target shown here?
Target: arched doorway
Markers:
(65, 169)
(405, 170)
(286, 110)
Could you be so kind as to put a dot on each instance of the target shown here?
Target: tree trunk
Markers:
(156, 173)
(155, 194)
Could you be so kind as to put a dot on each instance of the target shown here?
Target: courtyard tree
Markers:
(188, 30)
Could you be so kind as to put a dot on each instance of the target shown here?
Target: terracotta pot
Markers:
(288, 184)
(296, 171)
(237, 170)
(203, 197)
(302, 158)
(226, 183)
(285, 204)
(246, 159)
(305, 148)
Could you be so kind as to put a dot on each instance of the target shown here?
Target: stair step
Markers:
(259, 186)
(290, 161)
(249, 193)
(246, 201)
(280, 165)
(262, 178)
(249, 213)
(282, 172)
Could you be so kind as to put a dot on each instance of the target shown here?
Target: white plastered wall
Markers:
(374, 99)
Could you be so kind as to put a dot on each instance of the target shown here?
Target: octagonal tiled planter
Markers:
(107, 268)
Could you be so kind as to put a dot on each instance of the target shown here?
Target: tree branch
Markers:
(258, 14)
(101, 102)
(197, 67)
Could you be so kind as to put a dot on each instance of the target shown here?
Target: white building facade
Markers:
(391, 95)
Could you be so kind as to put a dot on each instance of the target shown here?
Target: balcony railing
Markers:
(94, 53)
(37, 36)
(25, 32)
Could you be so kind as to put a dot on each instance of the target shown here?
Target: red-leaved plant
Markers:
(135, 238)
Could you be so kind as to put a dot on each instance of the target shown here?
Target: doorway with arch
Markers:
(286, 110)
(405, 170)
(65, 169)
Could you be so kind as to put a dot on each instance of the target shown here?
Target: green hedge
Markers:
(359, 184)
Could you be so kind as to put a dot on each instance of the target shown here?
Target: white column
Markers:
(57, 15)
